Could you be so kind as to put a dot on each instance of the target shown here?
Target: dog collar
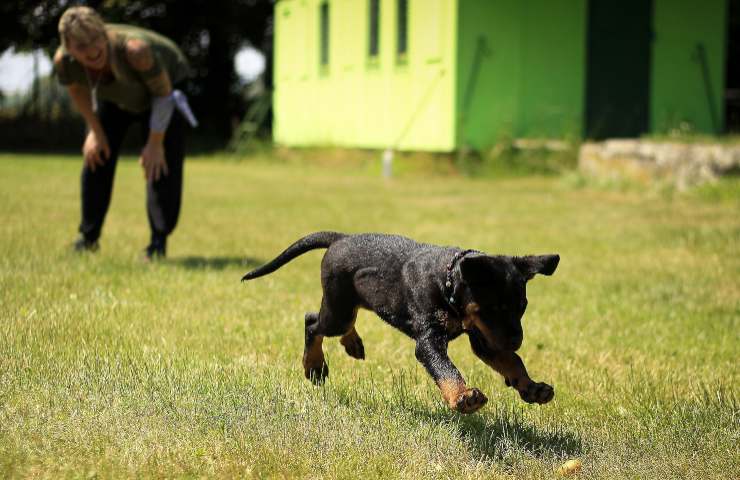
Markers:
(449, 291)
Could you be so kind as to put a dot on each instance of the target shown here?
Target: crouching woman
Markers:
(118, 76)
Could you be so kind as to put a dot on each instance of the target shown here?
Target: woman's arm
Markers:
(82, 100)
(140, 56)
(96, 142)
(145, 62)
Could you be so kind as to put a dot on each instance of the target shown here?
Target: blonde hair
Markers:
(82, 24)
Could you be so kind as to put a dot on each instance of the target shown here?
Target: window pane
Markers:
(402, 33)
(374, 27)
(324, 15)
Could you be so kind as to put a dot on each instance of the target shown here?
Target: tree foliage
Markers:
(210, 32)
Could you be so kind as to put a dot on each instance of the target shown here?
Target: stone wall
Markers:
(684, 164)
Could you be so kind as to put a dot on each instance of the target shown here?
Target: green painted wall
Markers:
(521, 69)
(476, 71)
(553, 68)
(362, 102)
(489, 71)
(679, 92)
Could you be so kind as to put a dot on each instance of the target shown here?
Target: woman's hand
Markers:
(95, 150)
(153, 161)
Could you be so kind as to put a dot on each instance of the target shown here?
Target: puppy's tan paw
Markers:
(470, 401)
(536, 392)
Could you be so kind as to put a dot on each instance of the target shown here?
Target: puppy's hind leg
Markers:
(352, 342)
(366, 286)
(314, 365)
(335, 318)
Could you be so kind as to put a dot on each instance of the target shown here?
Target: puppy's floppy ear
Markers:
(533, 264)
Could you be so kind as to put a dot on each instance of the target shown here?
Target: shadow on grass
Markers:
(493, 434)
(215, 263)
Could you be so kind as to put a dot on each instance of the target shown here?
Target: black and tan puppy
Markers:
(432, 294)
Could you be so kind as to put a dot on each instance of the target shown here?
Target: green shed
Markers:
(438, 75)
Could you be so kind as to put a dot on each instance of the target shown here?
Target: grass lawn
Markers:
(110, 367)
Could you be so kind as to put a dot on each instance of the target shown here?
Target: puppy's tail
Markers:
(301, 246)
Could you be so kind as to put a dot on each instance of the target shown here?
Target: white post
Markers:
(387, 163)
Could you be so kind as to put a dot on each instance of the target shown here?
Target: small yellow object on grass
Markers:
(571, 467)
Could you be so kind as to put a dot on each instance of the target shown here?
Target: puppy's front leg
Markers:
(431, 351)
(511, 366)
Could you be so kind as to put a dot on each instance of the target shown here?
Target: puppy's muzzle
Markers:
(506, 341)
(515, 342)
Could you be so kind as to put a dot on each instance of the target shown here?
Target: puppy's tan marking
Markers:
(349, 337)
(461, 398)
(472, 316)
(313, 357)
(511, 367)
(352, 344)
(451, 390)
(351, 341)
(472, 320)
